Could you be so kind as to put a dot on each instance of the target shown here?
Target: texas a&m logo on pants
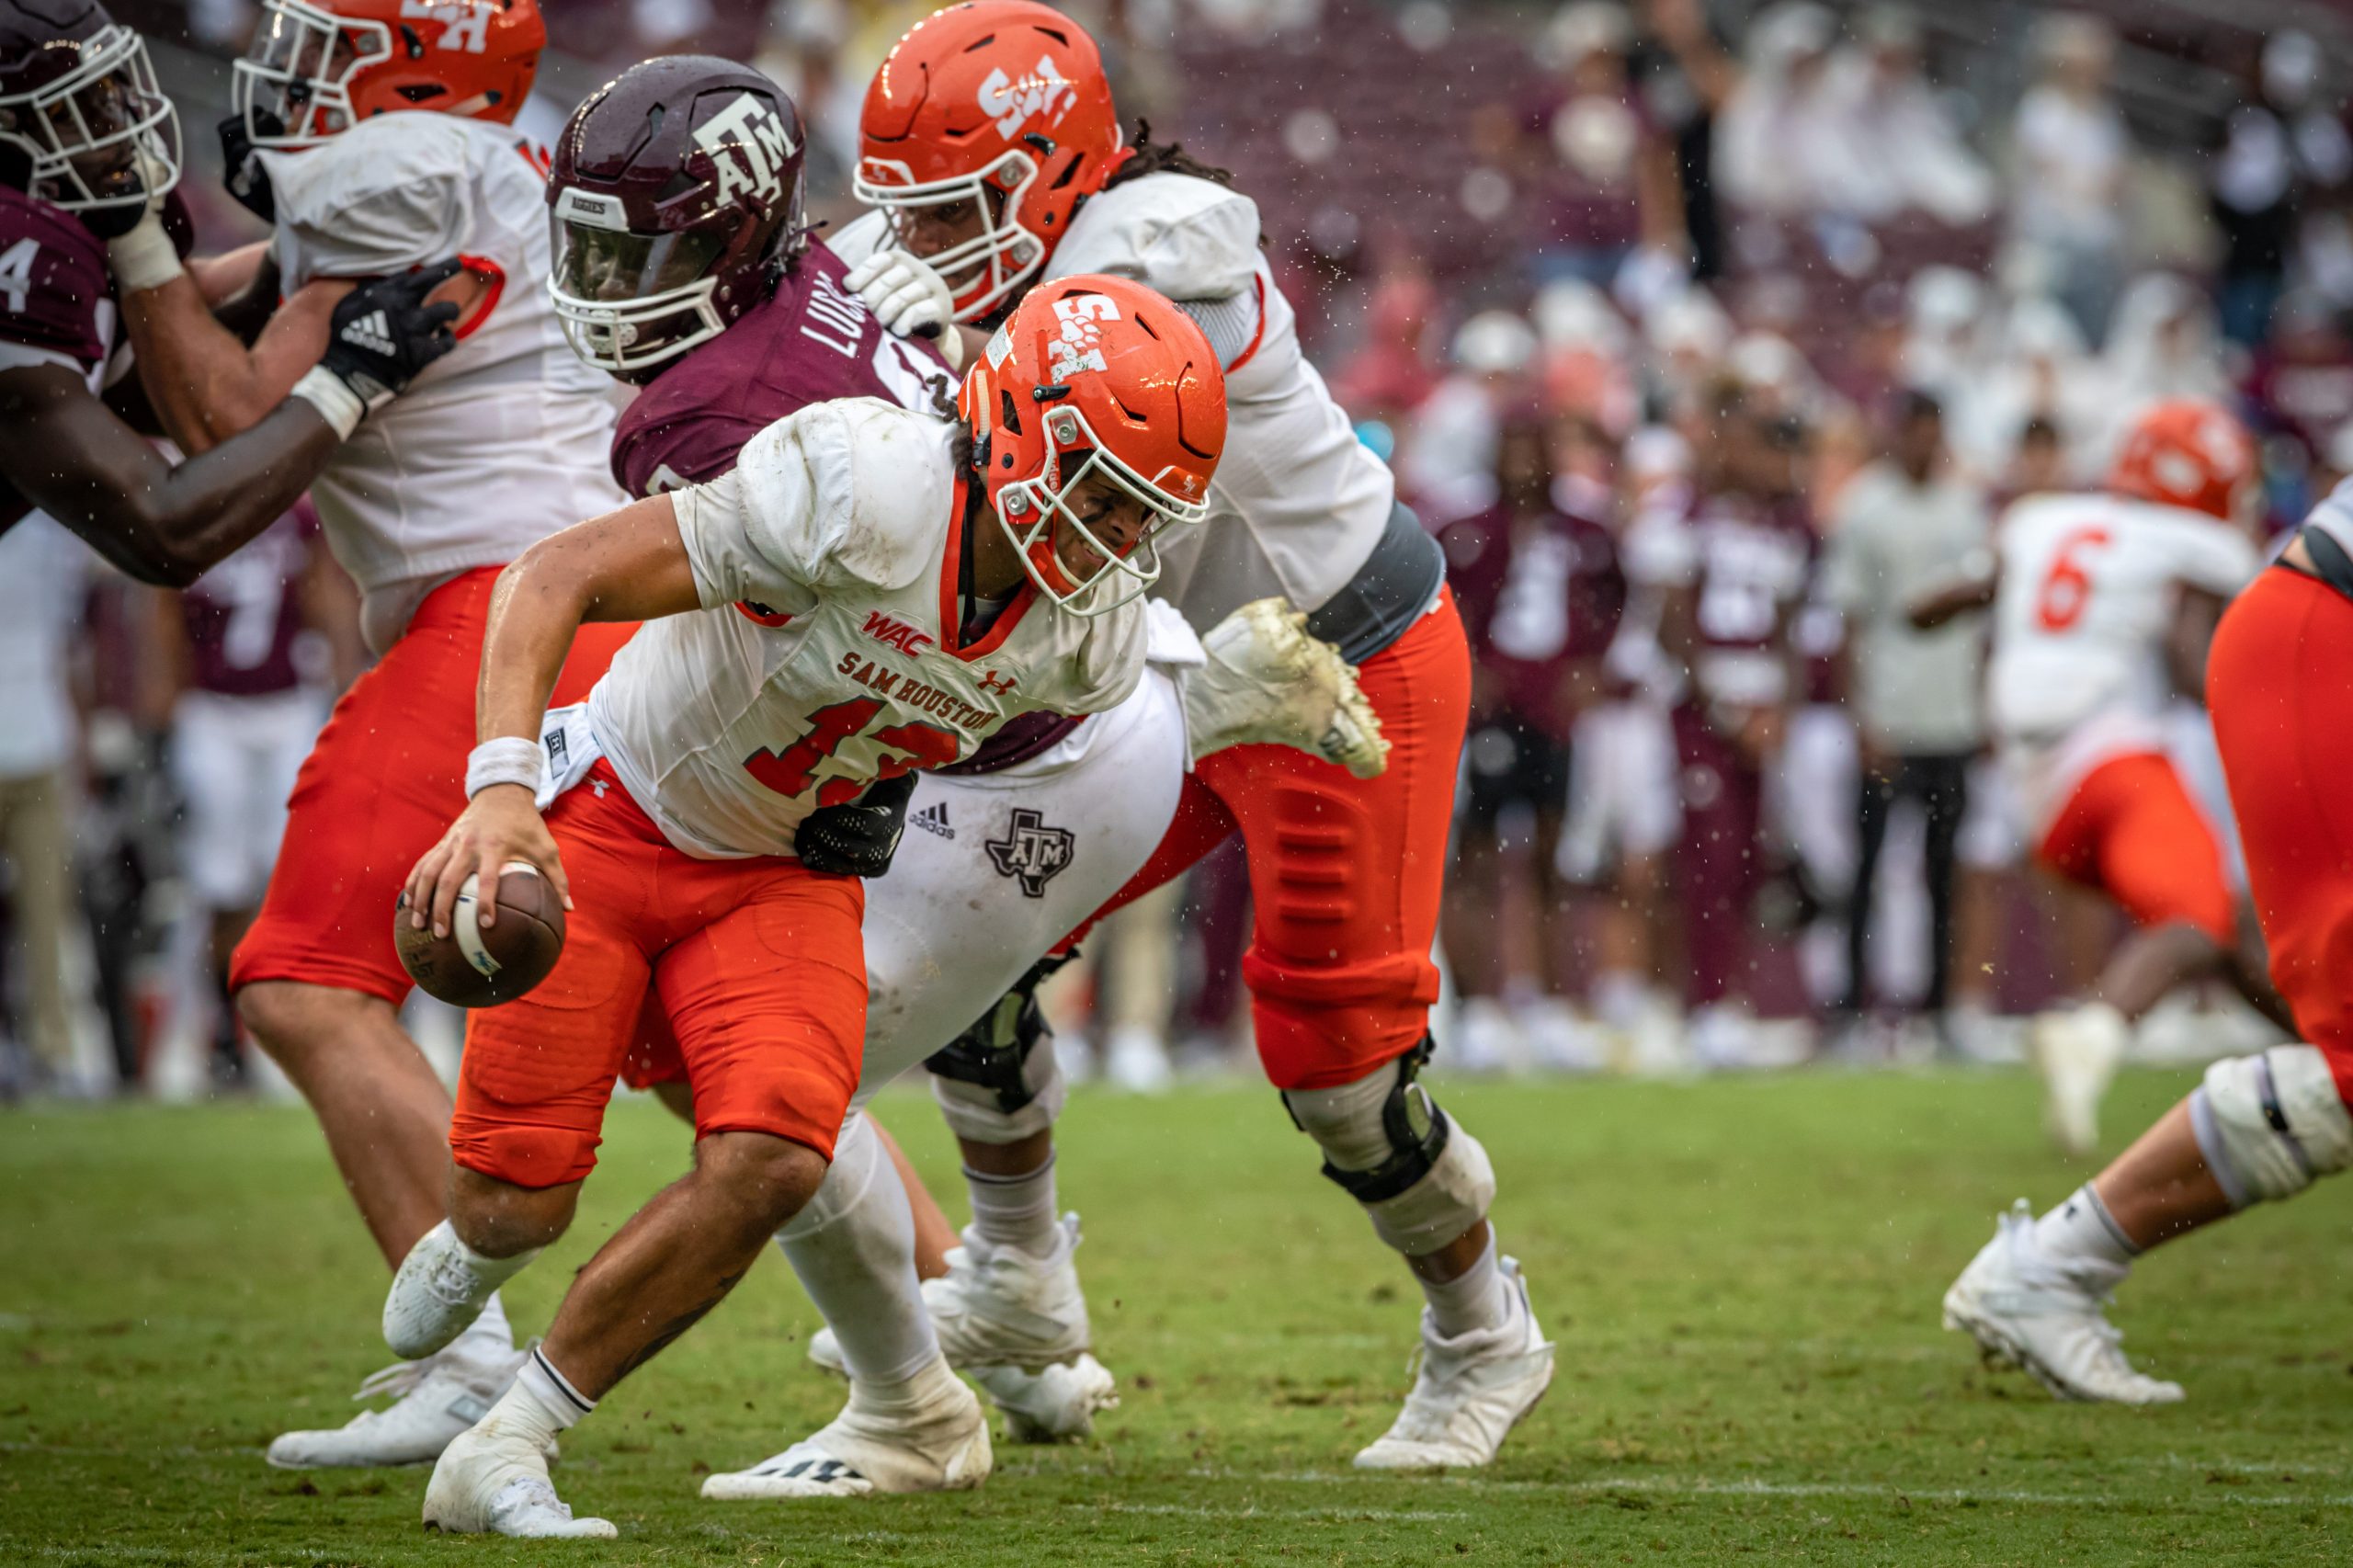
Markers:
(1030, 852)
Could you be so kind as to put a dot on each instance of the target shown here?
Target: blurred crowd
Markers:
(1704, 337)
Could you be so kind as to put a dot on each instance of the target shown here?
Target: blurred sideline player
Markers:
(990, 145)
(1027, 838)
(382, 143)
(1011, 550)
(89, 153)
(2259, 1128)
(2103, 607)
(1542, 595)
(242, 719)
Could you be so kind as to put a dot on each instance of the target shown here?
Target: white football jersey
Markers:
(503, 440)
(1298, 502)
(824, 657)
(2088, 588)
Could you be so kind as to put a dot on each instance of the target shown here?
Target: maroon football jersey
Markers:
(245, 615)
(812, 342)
(1755, 562)
(1539, 597)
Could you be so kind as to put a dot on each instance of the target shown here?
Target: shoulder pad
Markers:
(1189, 238)
(855, 491)
(389, 194)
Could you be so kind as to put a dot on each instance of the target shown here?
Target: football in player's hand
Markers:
(476, 966)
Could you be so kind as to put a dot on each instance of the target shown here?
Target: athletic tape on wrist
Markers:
(145, 259)
(336, 403)
(510, 759)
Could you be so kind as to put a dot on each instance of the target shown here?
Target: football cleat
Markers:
(940, 1443)
(1052, 1404)
(492, 1480)
(2076, 1052)
(1269, 681)
(434, 1400)
(2045, 1315)
(438, 1290)
(1471, 1391)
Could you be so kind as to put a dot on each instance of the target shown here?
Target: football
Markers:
(474, 967)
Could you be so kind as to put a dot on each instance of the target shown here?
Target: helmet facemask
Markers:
(629, 302)
(1034, 509)
(101, 140)
(983, 272)
(293, 87)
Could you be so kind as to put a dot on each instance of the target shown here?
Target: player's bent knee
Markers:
(499, 1218)
(763, 1180)
(1422, 1179)
(2270, 1124)
(1000, 1082)
(292, 1020)
(858, 1158)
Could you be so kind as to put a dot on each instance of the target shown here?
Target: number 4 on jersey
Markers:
(793, 770)
(16, 274)
(2068, 588)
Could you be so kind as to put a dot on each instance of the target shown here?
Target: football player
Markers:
(2103, 608)
(2258, 1129)
(682, 265)
(991, 146)
(381, 139)
(870, 591)
(88, 156)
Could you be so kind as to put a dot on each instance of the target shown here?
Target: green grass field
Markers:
(1743, 1277)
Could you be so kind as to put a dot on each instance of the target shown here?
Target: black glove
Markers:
(857, 839)
(247, 180)
(384, 333)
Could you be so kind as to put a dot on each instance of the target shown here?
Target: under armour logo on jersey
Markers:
(1030, 852)
(760, 144)
(890, 629)
(1043, 92)
(371, 332)
(1078, 346)
(933, 819)
(992, 681)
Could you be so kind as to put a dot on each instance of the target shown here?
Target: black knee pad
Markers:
(990, 1053)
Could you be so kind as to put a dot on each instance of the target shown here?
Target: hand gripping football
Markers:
(474, 967)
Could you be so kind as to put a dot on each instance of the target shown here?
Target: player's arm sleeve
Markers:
(1205, 260)
(2220, 560)
(368, 204)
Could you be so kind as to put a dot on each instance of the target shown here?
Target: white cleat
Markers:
(940, 1445)
(493, 1481)
(434, 1401)
(2026, 1309)
(1053, 1405)
(1486, 1037)
(1269, 681)
(1137, 1062)
(438, 1290)
(1470, 1392)
(2077, 1052)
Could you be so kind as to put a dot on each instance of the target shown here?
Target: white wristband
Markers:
(510, 759)
(336, 403)
(145, 259)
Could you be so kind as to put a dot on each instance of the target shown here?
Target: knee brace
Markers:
(857, 1160)
(1422, 1179)
(2269, 1124)
(999, 1082)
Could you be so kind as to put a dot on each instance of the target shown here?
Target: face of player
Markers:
(1117, 521)
(936, 227)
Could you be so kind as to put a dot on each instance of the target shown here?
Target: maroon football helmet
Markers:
(675, 198)
(82, 121)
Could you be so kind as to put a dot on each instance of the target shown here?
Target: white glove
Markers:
(145, 257)
(910, 298)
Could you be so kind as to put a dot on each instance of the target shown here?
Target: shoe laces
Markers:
(450, 1281)
(397, 1380)
(531, 1492)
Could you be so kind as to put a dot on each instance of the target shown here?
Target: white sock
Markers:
(488, 1338)
(2082, 1227)
(1471, 1301)
(854, 1247)
(927, 1386)
(1014, 1212)
(542, 1402)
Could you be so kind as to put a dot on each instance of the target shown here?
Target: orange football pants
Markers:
(2131, 831)
(381, 784)
(2280, 681)
(1346, 873)
(758, 965)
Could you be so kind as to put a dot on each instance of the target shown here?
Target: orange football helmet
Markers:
(2188, 454)
(317, 67)
(1001, 102)
(1095, 378)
